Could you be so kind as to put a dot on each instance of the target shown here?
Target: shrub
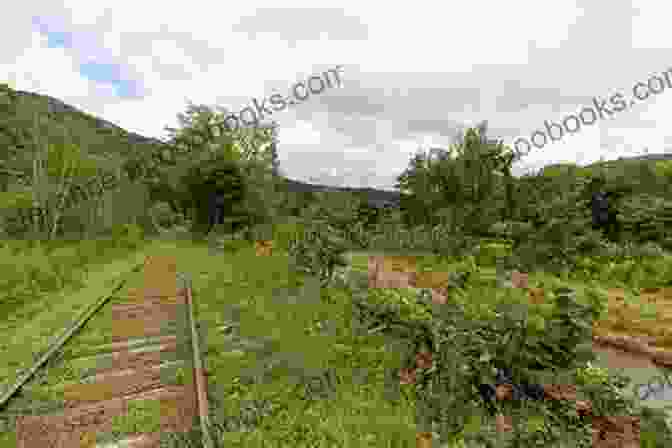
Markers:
(490, 252)
(224, 177)
(466, 342)
(319, 251)
(129, 236)
(164, 215)
(285, 232)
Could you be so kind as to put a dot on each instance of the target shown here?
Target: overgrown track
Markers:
(146, 379)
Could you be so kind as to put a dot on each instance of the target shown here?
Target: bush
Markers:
(466, 343)
(224, 177)
(490, 252)
(285, 232)
(319, 251)
(129, 236)
(31, 269)
(164, 215)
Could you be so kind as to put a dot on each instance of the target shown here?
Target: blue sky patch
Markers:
(100, 72)
(110, 74)
(55, 39)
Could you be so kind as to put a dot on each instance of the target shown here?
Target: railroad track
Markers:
(127, 370)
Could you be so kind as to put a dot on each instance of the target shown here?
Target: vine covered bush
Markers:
(318, 251)
(469, 342)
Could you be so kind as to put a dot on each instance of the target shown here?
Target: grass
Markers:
(286, 364)
(29, 334)
(262, 327)
(144, 416)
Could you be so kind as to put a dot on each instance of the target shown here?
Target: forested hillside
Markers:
(34, 127)
(66, 172)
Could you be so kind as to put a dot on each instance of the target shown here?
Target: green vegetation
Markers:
(270, 373)
(144, 416)
(299, 351)
(38, 300)
(271, 379)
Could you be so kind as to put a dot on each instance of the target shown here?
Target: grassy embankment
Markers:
(268, 331)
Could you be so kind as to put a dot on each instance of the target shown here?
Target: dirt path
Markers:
(133, 372)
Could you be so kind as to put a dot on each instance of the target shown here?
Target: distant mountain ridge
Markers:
(57, 106)
(379, 198)
(376, 196)
(664, 156)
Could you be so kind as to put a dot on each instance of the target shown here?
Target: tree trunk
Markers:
(509, 193)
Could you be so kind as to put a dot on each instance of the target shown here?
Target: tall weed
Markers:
(33, 269)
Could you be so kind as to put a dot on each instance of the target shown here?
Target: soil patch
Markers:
(616, 358)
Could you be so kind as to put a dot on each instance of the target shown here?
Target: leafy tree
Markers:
(201, 144)
(51, 175)
(367, 214)
(463, 182)
(342, 211)
(292, 203)
(647, 218)
(220, 176)
(421, 192)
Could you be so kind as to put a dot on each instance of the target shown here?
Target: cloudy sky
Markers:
(413, 74)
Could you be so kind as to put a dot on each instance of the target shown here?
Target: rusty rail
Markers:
(61, 341)
(199, 372)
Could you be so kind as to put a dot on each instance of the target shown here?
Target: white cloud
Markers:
(412, 72)
(28, 73)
